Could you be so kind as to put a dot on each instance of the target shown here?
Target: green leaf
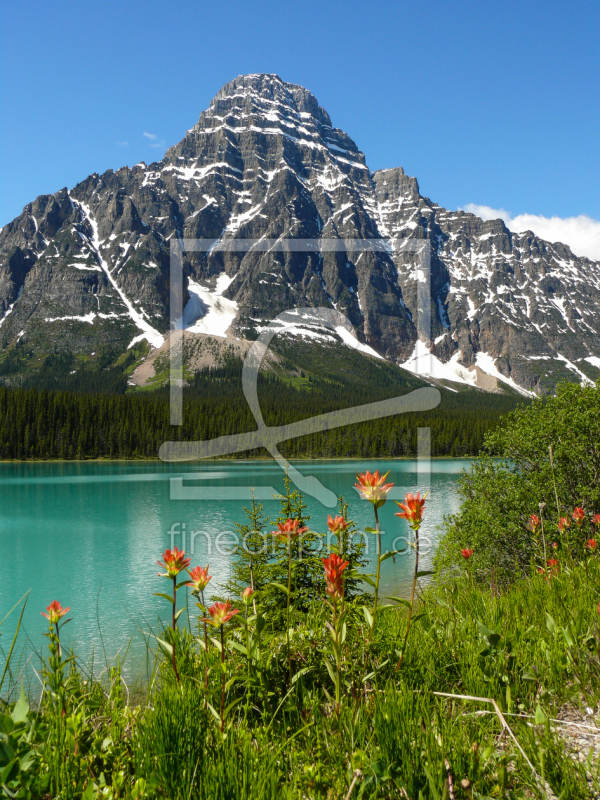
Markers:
(216, 643)
(389, 554)
(300, 673)
(168, 648)
(10, 772)
(214, 713)
(89, 791)
(330, 671)
(484, 630)
(260, 623)
(21, 709)
(371, 530)
(368, 579)
(550, 624)
(540, 717)
(400, 600)
(368, 616)
(232, 705)
(568, 638)
(179, 613)
(239, 647)
(423, 573)
(165, 596)
(279, 586)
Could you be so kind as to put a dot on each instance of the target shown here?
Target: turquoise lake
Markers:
(89, 535)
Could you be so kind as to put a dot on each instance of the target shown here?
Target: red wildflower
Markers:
(534, 523)
(578, 515)
(336, 524)
(596, 520)
(334, 567)
(555, 545)
(247, 595)
(466, 553)
(288, 530)
(552, 568)
(373, 487)
(200, 578)
(564, 523)
(174, 561)
(220, 613)
(412, 508)
(55, 612)
(591, 544)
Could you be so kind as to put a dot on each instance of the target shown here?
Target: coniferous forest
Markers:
(39, 423)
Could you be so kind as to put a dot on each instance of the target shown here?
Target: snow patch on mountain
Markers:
(208, 311)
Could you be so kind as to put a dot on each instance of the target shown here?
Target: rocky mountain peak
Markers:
(89, 267)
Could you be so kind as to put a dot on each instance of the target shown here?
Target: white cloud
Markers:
(154, 140)
(581, 233)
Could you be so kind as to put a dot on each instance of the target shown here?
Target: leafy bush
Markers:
(547, 453)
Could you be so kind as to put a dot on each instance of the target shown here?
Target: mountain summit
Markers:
(86, 271)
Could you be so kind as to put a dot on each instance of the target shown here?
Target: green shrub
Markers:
(547, 453)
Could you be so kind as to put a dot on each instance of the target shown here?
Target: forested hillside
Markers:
(40, 424)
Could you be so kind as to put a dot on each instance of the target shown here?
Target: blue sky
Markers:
(495, 105)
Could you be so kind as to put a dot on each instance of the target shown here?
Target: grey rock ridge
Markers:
(88, 268)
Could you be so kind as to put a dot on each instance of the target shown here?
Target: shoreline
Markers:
(238, 460)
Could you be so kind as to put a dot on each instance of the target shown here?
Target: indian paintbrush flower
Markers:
(534, 523)
(288, 530)
(578, 515)
(563, 524)
(466, 553)
(247, 595)
(220, 613)
(596, 520)
(334, 567)
(174, 561)
(373, 487)
(412, 508)
(55, 612)
(336, 524)
(591, 544)
(199, 579)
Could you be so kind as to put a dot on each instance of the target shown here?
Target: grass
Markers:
(532, 650)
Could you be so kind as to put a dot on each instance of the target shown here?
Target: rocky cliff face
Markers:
(89, 268)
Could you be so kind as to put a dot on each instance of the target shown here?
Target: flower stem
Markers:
(337, 659)
(376, 595)
(412, 597)
(174, 623)
(378, 566)
(287, 627)
(205, 654)
(222, 680)
(247, 666)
